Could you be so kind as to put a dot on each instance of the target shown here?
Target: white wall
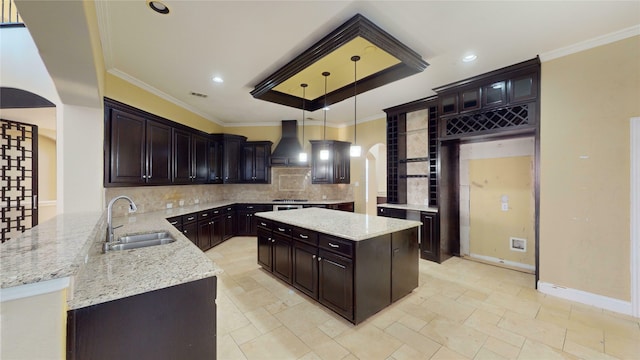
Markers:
(79, 129)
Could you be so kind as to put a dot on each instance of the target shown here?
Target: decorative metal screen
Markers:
(488, 120)
(18, 175)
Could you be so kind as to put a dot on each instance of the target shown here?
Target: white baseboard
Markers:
(587, 298)
(517, 265)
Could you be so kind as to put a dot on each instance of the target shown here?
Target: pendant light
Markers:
(355, 150)
(302, 157)
(324, 153)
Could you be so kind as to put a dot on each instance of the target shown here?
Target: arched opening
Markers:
(376, 177)
(28, 163)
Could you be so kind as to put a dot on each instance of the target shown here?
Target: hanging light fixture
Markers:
(302, 157)
(355, 150)
(324, 153)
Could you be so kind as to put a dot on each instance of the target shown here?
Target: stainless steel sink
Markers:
(128, 242)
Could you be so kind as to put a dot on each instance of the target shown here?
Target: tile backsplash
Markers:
(286, 183)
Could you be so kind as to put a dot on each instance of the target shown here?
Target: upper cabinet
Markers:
(144, 149)
(140, 149)
(255, 162)
(502, 101)
(335, 167)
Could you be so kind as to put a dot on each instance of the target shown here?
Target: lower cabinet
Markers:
(335, 282)
(177, 322)
(247, 224)
(229, 228)
(431, 247)
(190, 227)
(355, 279)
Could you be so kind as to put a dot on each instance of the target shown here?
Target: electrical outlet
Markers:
(505, 206)
(169, 205)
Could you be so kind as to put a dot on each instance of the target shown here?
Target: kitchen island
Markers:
(354, 264)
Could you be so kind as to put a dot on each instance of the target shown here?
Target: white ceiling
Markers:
(245, 41)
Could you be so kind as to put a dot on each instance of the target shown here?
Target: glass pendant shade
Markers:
(355, 151)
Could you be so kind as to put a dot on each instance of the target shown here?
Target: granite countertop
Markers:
(52, 250)
(342, 224)
(410, 207)
(70, 246)
(118, 274)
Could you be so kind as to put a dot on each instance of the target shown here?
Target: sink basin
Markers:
(145, 237)
(141, 240)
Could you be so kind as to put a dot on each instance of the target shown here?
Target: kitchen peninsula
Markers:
(354, 264)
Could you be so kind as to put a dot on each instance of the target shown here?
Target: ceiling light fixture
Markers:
(469, 58)
(302, 157)
(355, 150)
(158, 7)
(217, 79)
(324, 153)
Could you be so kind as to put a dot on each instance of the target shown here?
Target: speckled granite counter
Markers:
(346, 225)
(410, 207)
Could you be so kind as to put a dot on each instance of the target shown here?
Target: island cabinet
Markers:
(354, 278)
(177, 322)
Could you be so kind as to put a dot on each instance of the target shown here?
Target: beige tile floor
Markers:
(461, 310)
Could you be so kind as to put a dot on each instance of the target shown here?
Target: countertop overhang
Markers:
(351, 226)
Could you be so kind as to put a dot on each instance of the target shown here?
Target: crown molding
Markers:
(591, 43)
(102, 12)
(128, 78)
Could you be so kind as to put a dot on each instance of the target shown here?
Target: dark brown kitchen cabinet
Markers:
(139, 151)
(494, 94)
(470, 99)
(256, 162)
(210, 229)
(247, 223)
(448, 104)
(356, 279)
(336, 167)
(335, 283)
(178, 322)
(231, 164)
(216, 159)
(275, 249)
(523, 88)
(190, 227)
(432, 247)
(392, 212)
(190, 164)
(282, 258)
(229, 228)
(265, 248)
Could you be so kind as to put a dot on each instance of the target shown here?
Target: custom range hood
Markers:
(288, 149)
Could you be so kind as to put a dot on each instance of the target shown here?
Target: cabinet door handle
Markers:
(304, 236)
(336, 264)
(173, 222)
(215, 212)
(313, 256)
(273, 240)
(334, 245)
(281, 229)
(205, 215)
(229, 217)
(263, 224)
(190, 218)
(249, 207)
(144, 176)
(184, 232)
(319, 258)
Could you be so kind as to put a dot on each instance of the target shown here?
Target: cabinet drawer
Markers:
(265, 224)
(281, 228)
(337, 245)
(216, 212)
(305, 235)
(175, 221)
(189, 218)
(204, 215)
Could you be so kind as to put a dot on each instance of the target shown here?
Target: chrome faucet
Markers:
(132, 208)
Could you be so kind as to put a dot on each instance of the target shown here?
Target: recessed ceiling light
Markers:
(158, 7)
(469, 58)
(217, 79)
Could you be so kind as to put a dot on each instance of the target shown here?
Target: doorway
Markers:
(27, 121)
(497, 202)
(375, 177)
